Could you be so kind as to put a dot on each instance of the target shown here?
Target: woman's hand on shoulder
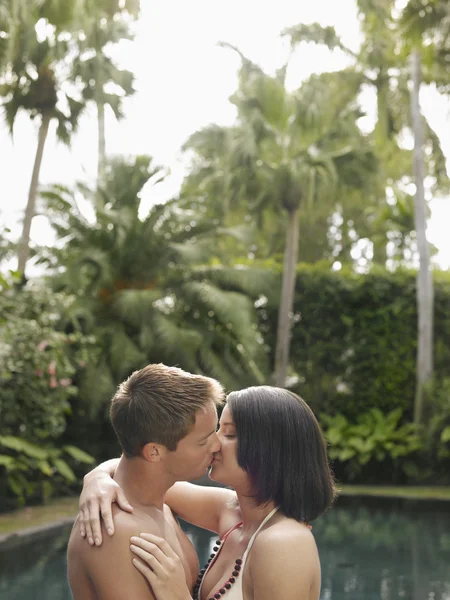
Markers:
(99, 492)
(284, 563)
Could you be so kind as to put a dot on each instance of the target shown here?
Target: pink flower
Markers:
(40, 373)
(42, 346)
(65, 382)
(53, 382)
(52, 368)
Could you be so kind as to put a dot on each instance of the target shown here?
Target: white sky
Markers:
(183, 82)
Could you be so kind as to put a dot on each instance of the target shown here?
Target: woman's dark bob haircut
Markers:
(282, 448)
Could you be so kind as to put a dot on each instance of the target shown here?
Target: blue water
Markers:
(369, 551)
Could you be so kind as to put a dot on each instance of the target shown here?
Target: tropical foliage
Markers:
(210, 279)
(142, 287)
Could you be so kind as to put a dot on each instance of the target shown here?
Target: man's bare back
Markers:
(107, 572)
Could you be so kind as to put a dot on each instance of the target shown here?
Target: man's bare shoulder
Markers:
(108, 568)
(125, 524)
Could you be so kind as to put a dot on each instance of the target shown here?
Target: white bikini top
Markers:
(234, 592)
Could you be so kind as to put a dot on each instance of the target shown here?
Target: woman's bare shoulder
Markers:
(286, 533)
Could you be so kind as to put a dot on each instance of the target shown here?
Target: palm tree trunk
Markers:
(286, 309)
(382, 126)
(424, 276)
(24, 246)
(101, 142)
(381, 139)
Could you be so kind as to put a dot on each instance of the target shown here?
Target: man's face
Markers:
(195, 451)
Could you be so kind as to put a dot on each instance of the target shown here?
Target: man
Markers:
(165, 420)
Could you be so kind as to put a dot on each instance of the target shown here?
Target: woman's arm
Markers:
(201, 505)
(99, 492)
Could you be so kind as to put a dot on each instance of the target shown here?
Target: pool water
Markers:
(368, 550)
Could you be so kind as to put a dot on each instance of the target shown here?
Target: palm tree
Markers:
(144, 288)
(283, 155)
(430, 18)
(32, 81)
(105, 23)
(383, 61)
(12, 13)
(32, 84)
(422, 18)
(382, 66)
(424, 288)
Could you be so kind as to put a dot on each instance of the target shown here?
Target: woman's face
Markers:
(224, 467)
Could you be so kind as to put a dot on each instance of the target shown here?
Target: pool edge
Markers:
(8, 541)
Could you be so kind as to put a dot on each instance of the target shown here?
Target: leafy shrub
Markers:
(33, 470)
(38, 364)
(434, 465)
(374, 438)
(354, 338)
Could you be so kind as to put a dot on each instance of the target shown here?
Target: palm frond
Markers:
(135, 307)
(124, 354)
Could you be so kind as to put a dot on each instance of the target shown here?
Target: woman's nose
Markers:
(216, 445)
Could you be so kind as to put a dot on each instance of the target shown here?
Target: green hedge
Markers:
(354, 340)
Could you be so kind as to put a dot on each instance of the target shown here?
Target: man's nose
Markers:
(215, 443)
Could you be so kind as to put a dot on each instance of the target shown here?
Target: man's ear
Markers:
(153, 452)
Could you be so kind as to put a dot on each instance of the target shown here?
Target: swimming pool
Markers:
(377, 550)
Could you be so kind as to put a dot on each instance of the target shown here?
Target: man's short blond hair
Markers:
(158, 404)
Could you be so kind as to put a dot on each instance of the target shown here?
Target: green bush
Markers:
(375, 438)
(36, 471)
(38, 364)
(354, 338)
(353, 349)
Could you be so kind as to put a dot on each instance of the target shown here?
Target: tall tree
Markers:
(283, 156)
(429, 20)
(383, 67)
(424, 20)
(103, 25)
(383, 62)
(425, 292)
(32, 82)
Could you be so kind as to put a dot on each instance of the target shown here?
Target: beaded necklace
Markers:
(229, 582)
(237, 565)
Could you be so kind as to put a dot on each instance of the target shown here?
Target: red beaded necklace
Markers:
(229, 582)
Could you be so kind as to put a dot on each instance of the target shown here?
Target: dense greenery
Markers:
(211, 280)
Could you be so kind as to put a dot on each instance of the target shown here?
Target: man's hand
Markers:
(98, 494)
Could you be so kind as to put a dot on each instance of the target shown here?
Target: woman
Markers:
(273, 455)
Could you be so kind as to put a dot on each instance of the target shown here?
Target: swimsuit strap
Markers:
(252, 539)
(225, 535)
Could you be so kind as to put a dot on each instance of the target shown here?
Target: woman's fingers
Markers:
(94, 521)
(122, 501)
(145, 570)
(151, 548)
(160, 543)
(87, 526)
(106, 512)
(161, 566)
(150, 560)
(81, 523)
